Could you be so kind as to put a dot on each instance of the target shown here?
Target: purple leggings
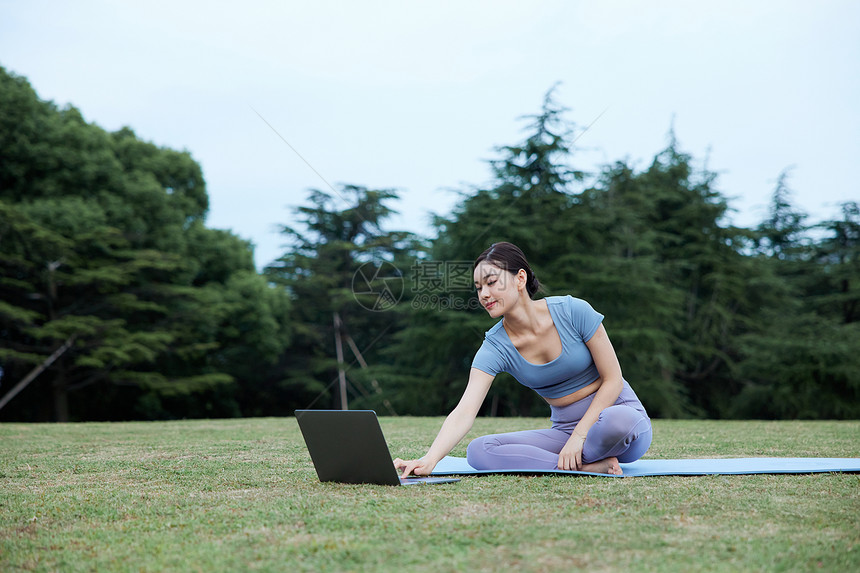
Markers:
(622, 431)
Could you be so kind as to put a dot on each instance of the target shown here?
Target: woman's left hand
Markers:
(570, 457)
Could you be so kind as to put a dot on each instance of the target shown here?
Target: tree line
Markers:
(117, 302)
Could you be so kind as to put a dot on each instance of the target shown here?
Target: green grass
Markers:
(242, 495)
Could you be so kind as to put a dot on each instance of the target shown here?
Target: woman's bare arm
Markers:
(456, 426)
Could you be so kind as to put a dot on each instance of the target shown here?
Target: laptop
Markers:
(347, 446)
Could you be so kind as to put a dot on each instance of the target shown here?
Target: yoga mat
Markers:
(451, 465)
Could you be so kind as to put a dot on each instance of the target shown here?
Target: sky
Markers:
(276, 98)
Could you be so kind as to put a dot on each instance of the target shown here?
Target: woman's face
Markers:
(498, 290)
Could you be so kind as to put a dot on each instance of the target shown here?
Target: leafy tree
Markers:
(117, 301)
(104, 255)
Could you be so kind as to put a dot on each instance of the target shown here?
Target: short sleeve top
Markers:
(576, 322)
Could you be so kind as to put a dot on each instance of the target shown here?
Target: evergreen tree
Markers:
(341, 263)
(783, 235)
(527, 204)
(649, 250)
(701, 259)
(835, 291)
(617, 266)
(803, 359)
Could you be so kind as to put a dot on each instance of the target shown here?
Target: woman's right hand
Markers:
(419, 467)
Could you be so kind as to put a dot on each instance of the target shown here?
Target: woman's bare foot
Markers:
(608, 466)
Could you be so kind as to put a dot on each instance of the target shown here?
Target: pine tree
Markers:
(342, 266)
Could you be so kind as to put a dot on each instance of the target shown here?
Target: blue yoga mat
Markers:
(451, 465)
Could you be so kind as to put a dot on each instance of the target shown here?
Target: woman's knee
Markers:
(477, 449)
(621, 418)
(618, 424)
(637, 448)
(476, 452)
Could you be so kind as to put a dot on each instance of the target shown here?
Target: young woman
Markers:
(558, 347)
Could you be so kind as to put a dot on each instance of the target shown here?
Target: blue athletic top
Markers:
(576, 322)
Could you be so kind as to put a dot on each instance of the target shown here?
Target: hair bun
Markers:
(533, 285)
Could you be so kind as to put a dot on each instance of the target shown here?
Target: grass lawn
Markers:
(216, 495)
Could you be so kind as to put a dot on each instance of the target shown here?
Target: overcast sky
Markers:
(416, 95)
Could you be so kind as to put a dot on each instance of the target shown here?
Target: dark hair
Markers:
(509, 257)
